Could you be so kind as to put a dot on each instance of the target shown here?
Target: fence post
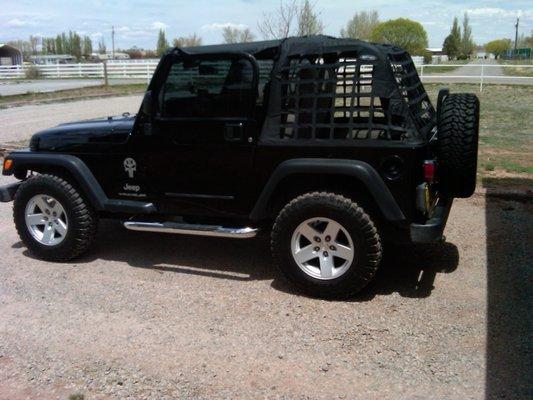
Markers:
(79, 70)
(421, 71)
(481, 79)
(147, 73)
(106, 83)
(57, 69)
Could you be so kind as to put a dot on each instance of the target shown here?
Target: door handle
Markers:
(234, 132)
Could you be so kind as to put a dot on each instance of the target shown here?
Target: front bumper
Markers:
(431, 231)
(7, 192)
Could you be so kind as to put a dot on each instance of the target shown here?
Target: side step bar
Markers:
(192, 229)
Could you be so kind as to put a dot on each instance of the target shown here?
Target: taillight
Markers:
(429, 170)
(7, 164)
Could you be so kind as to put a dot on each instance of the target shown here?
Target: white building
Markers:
(53, 59)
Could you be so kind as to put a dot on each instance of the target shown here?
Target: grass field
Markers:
(506, 127)
(517, 69)
(60, 95)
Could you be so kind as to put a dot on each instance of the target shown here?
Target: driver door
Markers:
(203, 133)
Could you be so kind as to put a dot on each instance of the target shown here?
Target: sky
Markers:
(137, 21)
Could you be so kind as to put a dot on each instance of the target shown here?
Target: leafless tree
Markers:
(34, 42)
(279, 24)
(186, 41)
(308, 20)
(237, 35)
(361, 25)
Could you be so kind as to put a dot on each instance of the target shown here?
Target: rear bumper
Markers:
(431, 231)
(7, 192)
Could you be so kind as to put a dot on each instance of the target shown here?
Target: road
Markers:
(162, 317)
(19, 123)
(492, 72)
(9, 88)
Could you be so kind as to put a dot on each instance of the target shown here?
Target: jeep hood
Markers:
(69, 135)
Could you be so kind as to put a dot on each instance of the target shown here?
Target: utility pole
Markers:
(516, 34)
(113, 42)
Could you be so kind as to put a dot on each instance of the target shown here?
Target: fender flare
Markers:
(360, 170)
(83, 177)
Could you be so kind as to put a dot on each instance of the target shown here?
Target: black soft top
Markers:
(323, 87)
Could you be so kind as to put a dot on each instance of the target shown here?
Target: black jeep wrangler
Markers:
(331, 145)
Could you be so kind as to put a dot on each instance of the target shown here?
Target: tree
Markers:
(452, 43)
(87, 46)
(34, 42)
(49, 46)
(74, 41)
(186, 41)
(467, 44)
(291, 18)
(101, 46)
(360, 26)
(308, 20)
(59, 44)
(237, 35)
(498, 46)
(134, 53)
(280, 24)
(402, 32)
(162, 43)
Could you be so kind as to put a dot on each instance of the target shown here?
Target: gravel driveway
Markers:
(19, 123)
(164, 317)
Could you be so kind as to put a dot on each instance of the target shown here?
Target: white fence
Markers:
(123, 70)
(471, 73)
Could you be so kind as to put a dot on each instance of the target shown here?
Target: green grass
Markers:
(518, 70)
(506, 126)
(70, 94)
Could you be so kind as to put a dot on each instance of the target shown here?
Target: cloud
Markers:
(218, 25)
(159, 25)
(122, 29)
(17, 23)
(96, 35)
(499, 12)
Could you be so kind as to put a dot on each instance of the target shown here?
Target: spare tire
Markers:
(457, 144)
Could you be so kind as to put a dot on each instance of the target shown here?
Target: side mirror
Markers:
(147, 103)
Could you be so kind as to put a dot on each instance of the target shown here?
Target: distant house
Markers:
(437, 54)
(109, 56)
(10, 55)
(53, 59)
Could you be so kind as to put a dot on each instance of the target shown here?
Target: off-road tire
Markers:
(457, 144)
(83, 220)
(367, 243)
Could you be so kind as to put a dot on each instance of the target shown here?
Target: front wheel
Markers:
(326, 245)
(52, 219)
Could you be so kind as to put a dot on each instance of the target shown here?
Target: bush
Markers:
(32, 72)
(428, 57)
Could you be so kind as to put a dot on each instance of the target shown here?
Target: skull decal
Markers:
(130, 166)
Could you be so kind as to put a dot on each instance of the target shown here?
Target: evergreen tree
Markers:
(87, 46)
(467, 44)
(162, 43)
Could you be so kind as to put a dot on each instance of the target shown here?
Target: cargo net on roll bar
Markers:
(334, 97)
(412, 90)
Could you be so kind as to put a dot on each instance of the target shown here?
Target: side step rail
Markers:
(192, 229)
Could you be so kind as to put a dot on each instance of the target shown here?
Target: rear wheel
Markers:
(52, 218)
(326, 245)
(457, 140)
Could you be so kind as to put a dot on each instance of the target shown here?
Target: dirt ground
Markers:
(148, 316)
